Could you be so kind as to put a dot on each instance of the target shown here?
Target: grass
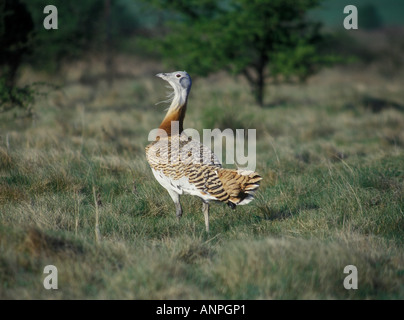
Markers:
(332, 194)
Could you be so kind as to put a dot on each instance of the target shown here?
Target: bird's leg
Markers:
(205, 209)
(178, 210)
(176, 198)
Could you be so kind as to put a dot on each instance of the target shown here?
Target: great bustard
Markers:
(185, 166)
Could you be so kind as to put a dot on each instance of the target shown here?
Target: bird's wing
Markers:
(173, 154)
(192, 151)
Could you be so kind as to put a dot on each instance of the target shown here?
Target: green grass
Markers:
(332, 195)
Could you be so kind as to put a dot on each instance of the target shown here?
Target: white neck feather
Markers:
(180, 98)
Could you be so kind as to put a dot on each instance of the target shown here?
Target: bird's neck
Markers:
(176, 112)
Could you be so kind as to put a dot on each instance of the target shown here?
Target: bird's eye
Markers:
(178, 75)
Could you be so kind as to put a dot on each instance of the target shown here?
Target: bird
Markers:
(183, 165)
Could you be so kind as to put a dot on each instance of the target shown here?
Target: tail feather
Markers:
(239, 184)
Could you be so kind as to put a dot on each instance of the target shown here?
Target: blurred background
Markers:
(264, 42)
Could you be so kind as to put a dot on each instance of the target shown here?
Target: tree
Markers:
(16, 27)
(258, 39)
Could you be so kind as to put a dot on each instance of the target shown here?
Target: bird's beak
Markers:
(161, 75)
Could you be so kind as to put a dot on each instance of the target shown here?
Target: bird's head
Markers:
(181, 83)
(179, 80)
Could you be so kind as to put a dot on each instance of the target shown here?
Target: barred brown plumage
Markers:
(185, 166)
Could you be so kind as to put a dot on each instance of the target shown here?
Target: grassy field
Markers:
(331, 154)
